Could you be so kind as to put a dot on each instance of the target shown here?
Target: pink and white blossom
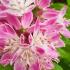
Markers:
(26, 41)
(16, 6)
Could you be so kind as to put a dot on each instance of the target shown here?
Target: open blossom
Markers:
(16, 6)
(30, 44)
(17, 50)
(43, 9)
(27, 53)
(31, 49)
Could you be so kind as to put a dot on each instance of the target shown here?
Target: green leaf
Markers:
(57, 6)
(57, 67)
(1, 67)
(67, 43)
(68, 13)
(68, 2)
(65, 55)
(8, 67)
(65, 64)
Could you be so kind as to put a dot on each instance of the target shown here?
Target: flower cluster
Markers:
(30, 33)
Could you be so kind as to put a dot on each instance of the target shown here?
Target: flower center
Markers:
(28, 56)
(12, 44)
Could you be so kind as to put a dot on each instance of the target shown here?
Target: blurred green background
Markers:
(64, 63)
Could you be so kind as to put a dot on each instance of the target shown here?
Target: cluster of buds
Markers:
(30, 34)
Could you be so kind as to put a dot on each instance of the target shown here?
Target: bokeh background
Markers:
(64, 63)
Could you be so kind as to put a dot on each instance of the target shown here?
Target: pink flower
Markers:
(57, 23)
(63, 22)
(20, 51)
(44, 11)
(15, 48)
(30, 44)
(35, 40)
(16, 6)
(25, 50)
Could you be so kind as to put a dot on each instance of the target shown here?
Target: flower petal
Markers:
(5, 2)
(14, 21)
(49, 65)
(43, 3)
(5, 59)
(59, 43)
(18, 65)
(53, 53)
(29, 8)
(40, 50)
(2, 43)
(27, 19)
(49, 13)
(29, 2)
(64, 31)
(16, 55)
(3, 13)
(31, 28)
(35, 66)
(63, 11)
(6, 31)
(36, 27)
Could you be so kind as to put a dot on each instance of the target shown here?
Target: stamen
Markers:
(28, 56)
